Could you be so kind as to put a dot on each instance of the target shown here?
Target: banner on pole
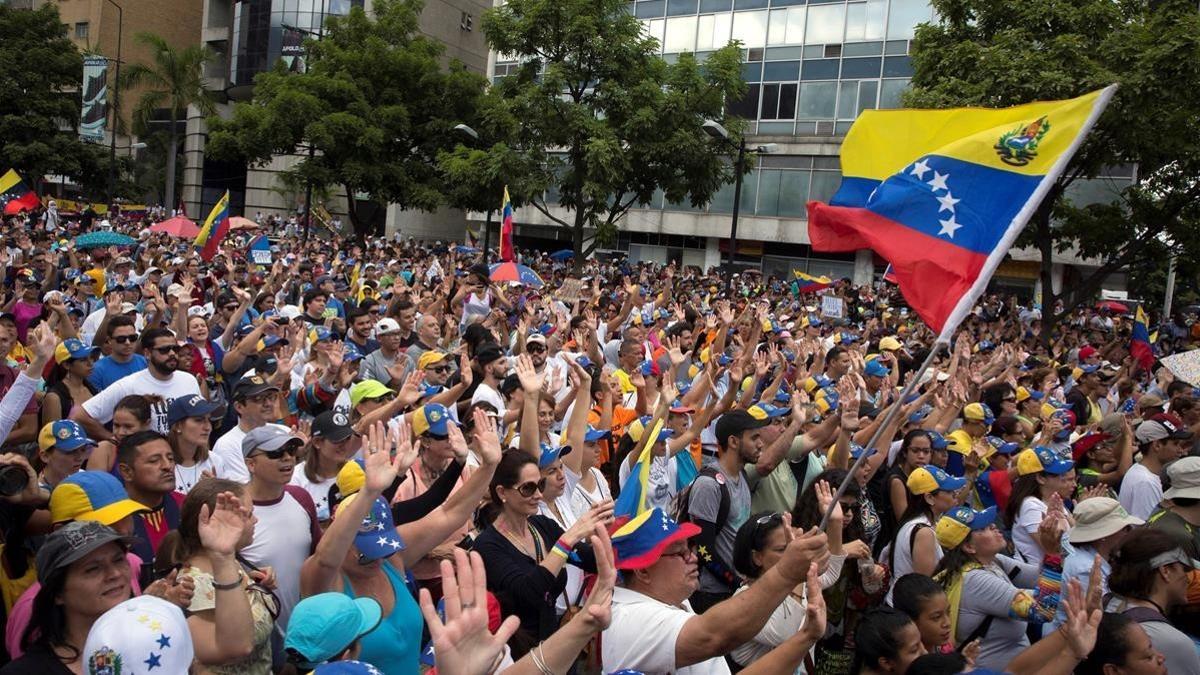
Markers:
(95, 98)
(291, 51)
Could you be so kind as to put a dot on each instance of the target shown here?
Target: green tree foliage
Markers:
(39, 100)
(1001, 53)
(172, 81)
(604, 121)
(375, 103)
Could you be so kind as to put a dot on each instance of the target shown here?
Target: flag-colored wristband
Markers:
(561, 548)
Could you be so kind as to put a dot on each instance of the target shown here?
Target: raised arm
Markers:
(531, 385)
(577, 424)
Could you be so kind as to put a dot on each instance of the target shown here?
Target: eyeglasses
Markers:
(438, 369)
(259, 399)
(684, 554)
(530, 488)
(169, 349)
(125, 339)
(535, 348)
(229, 308)
(276, 455)
(1009, 399)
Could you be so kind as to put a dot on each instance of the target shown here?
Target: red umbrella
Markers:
(1113, 306)
(177, 227)
(240, 223)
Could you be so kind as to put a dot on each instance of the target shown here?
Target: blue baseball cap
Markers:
(593, 434)
(1042, 460)
(550, 454)
(377, 537)
(917, 416)
(768, 411)
(324, 625)
(352, 354)
(875, 368)
(269, 341)
(850, 338)
(929, 478)
(1002, 446)
(937, 441)
(64, 435)
(783, 398)
(73, 348)
(857, 451)
(432, 418)
(189, 406)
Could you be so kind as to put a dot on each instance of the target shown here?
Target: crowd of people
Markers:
(372, 457)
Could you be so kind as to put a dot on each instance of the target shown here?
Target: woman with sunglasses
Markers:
(230, 617)
(526, 553)
(351, 559)
(68, 383)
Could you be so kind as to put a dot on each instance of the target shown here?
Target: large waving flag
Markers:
(943, 194)
(634, 493)
(806, 283)
(1140, 347)
(507, 252)
(15, 195)
(215, 228)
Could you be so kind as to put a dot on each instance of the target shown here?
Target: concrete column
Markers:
(712, 253)
(1056, 277)
(192, 159)
(864, 267)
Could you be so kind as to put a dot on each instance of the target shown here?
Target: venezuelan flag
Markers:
(214, 230)
(1140, 347)
(806, 283)
(507, 252)
(943, 194)
(15, 195)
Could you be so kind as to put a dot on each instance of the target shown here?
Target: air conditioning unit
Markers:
(466, 21)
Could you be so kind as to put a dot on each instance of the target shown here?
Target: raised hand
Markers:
(599, 602)
(825, 500)
(221, 529)
(378, 465)
(813, 627)
(531, 380)
(487, 439)
(457, 443)
(462, 643)
(1082, 621)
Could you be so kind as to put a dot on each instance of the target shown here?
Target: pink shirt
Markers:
(413, 486)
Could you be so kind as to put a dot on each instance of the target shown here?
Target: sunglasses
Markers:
(438, 369)
(535, 348)
(169, 349)
(125, 339)
(531, 488)
(290, 450)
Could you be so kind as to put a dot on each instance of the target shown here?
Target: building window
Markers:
(818, 100)
(681, 35)
(826, 24)
(750, 28)
(714, 30)
(81, 30)
(779, 101)
(890, 92)
(904, 17)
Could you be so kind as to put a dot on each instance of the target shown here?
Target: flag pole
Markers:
(890, 417)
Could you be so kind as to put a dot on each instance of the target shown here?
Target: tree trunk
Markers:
(577, 241)
(362, 230)
(172, 149)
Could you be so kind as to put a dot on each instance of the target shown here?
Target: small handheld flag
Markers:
(806, 283)
(943, 194)
(15, 195)
(507, 252)
(1140, 347)
(216, 226)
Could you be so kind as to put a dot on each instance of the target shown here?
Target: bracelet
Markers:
(539, 660)
(236, 583)
(561, 548)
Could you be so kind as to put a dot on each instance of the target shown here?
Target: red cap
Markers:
(1086, 352)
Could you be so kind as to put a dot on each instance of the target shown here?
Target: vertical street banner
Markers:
(292, 50)
(95, 98)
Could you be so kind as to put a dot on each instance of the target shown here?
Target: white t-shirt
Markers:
(485, 392)
(284, 536)
(186, 477)
(1141, 491)
(229, 448)
(91, 324)
(319, 490)
(1029, 519)
(903, 556)
(785, 621)
(180, 384)
(582, 500)
(642, 637)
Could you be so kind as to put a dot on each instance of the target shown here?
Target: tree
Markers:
(999, 54)
(174, 80)
(39, 99)
(605, 121)
(374, 102)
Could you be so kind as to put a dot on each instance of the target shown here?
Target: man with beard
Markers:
(494, 366)
(719, 502)
(160, 381)
(147, 466)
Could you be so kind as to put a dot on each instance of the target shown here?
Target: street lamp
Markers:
(487, 226)
(715, 130)
(112, 144)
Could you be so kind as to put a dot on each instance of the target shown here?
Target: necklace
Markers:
(520, 545)
(431, 474)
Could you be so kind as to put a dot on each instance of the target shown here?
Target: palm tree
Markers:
(174, 80)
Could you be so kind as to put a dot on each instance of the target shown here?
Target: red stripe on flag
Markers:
(933, 274)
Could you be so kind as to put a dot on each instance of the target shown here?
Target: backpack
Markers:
(684, 498)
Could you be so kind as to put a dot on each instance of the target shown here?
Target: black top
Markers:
(37, 660)
(520, 583)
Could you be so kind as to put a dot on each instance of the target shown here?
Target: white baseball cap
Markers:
(141, 632)
(385, 326)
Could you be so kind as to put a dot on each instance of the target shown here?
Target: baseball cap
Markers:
(73, 348)
(1002, 446)
(1042, 460)
(1161, 426)
(679, 408)
(144, 631)
(333, 425)
(488, 353)
(430, 357)
(252, 385)
(91, 495)
(1099, 517)
(386, 325)
(766, 411)
(926, 479)
(1087, 352)
(958, 523)
(978, 412)
(268, 437)
(63, 435)
(937, 441)
(1024, 394)
(367, 389)
(72, 542)
(917, 416)
(320, 334)
(636, 429)
(431, 418)
(875, 368)
(535, 336)
(184, 407)
(1175, 555)
(1185, 478)
(639, 542)
(1150, 401)
(734, 423)
(347, 668)
(550, 454)
(324, 625)
(377, 536)
(269, 341)
(593, 434)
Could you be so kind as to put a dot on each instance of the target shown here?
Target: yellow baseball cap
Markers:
(958, 523)
(429, 358)
(350, 478)
(926, 479)
(890, 344)
(92, 495)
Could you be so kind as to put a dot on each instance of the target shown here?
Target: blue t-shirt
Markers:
(107, 370)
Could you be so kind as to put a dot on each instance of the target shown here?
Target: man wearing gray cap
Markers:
(287, 530)
(1161, 440)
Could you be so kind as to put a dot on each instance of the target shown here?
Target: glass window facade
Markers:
(258, 30)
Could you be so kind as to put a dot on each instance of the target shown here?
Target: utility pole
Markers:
(112, 144)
